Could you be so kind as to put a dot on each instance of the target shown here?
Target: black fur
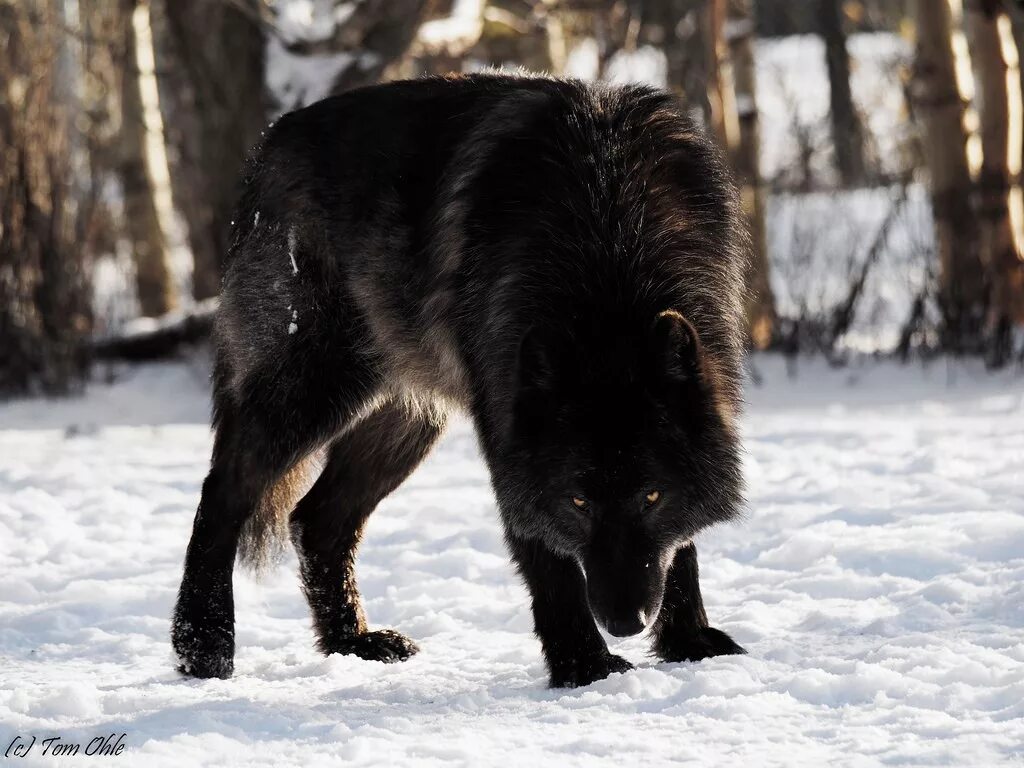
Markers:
(564, 262)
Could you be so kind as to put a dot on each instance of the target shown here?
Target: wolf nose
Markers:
(628, 626)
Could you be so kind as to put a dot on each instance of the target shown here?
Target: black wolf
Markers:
(562, 261)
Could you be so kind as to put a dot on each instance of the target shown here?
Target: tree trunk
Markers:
(721, 93)
(847, 132)
(692, 35)
(568, 24)
(102, 65)
(1017, 28)
(998, 248)
(745, 160)
(679, 28)
(213, 65)
(45, 314)
(938, 106)
(142, 222)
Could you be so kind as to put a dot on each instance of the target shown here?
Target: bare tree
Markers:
(1016, 11)
(102, 60)
(142, 222)
(721, 90)
(998, 249)
(938, 106)
(44, 289)
(680, 28)
(745, 159)
(847, 132)
(211, 55)
(692, 35)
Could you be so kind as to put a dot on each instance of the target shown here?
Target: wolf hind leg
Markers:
(266, 429)
(364, 465)
(681, 632)
(244, 472)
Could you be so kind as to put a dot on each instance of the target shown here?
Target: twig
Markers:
(842, 317)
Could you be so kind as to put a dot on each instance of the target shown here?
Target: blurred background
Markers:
(877, 143)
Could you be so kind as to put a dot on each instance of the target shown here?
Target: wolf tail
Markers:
(265, 534)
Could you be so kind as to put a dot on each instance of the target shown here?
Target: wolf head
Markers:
(623, 450)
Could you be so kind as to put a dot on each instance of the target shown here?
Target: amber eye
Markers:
(579, 503)
(652, 498)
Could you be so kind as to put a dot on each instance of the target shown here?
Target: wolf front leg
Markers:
(574, 650)
(681, 632)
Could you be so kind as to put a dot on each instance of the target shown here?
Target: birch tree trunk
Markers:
(721, 92)
(997, 247)
(142, 222)
(938, 106)
(1017, 29)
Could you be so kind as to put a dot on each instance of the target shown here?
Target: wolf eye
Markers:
(652, 498)
(580, 504)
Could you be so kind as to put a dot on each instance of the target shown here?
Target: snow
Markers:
(461, 28)
(876, 582)
(644, 65)
(583, 60)
(293, 242)
(295, 80)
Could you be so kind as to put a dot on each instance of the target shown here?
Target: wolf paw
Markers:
(384, 645)
(707, 643)
(203, 653)
(573, 673)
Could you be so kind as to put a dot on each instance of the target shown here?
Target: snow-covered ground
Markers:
(878, 584)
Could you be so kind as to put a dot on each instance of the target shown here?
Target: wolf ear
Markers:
(538, 352)
(677, 347)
